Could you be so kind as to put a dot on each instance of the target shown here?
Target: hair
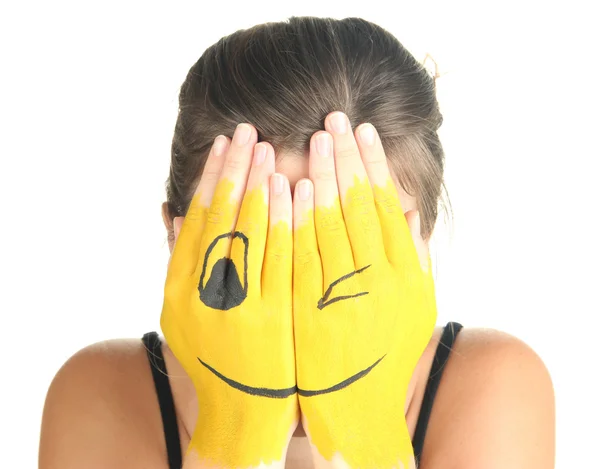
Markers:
(284, 78)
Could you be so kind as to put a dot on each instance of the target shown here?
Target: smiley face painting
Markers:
(224, 290)
(342, 331)
(333, 318)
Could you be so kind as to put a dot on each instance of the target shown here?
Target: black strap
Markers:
(165, 398)
(435, 375)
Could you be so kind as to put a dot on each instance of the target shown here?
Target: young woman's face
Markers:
(294, 168)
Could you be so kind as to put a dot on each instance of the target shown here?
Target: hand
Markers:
(364, 307)
(227, 311)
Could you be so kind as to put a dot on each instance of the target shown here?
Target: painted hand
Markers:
(227, 311)
(364, 305)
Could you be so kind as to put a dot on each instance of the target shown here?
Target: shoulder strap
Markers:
(442, 354)
(165, 398)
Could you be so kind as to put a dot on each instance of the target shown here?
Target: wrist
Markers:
(360, 426)
(244, 433)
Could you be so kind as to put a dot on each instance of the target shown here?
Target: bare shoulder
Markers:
(494, 407)
(101, 411)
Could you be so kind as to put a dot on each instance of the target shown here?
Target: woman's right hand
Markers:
(227, 312)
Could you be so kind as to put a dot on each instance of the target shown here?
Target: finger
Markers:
(356, 194)
(307, 271)
(277, 267)
(222, 284)
(254, 218)
(187, 247)
(332, 238)
(397, 239)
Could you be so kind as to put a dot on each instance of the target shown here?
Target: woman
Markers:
(309, 340)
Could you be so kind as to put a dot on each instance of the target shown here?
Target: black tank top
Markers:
(167, 407)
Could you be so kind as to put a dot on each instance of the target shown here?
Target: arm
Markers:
(494, 409)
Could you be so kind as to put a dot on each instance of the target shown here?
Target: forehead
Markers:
(294, 167)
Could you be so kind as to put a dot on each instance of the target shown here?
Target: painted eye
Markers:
(326, 300)
(224, 289)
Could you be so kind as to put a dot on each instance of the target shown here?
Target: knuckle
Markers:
(278, 252)
(303, 219)
(359, 199)
(364, 223)
(388, 204)
(306, 259)
(361, 206)
(331, 223)
(252, 225)
(215, 213)
(325, 175)
(234, 162)
(279, 212)
(211, 174)
(195, 212)
(375, 159)
(368, 225)
(276, 257)
(247, 227)
(345, 152)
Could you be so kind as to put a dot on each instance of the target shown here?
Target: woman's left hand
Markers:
(364, 305)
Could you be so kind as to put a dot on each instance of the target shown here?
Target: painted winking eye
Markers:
(326, 300)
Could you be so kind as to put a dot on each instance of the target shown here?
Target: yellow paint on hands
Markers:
(382, 333)
(250, 344)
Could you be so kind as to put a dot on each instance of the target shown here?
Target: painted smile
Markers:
(286, 392)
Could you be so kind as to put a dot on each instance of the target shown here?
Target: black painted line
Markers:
(325, 300)
(321, 305)
(347, 382)
(263, 392)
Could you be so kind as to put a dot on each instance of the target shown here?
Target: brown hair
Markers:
(284, 78)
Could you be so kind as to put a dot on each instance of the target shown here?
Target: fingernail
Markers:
(277, 184)
(260, 152)
(339, 122)
(324, 144)
(304, 190)
(367, 134)
(219, 145)
(242, 134)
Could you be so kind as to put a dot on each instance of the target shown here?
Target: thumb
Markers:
(414, 223)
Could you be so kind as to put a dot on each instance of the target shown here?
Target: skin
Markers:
(494, 407)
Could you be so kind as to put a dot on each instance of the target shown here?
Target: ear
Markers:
(173, 225)
(166, 216)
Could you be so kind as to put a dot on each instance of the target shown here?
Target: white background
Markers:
(88, 101)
